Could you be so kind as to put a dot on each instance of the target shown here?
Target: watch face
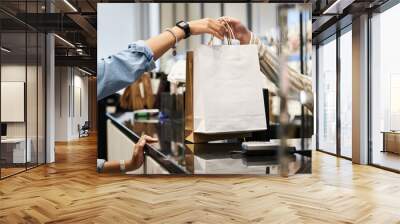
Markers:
(181, 23)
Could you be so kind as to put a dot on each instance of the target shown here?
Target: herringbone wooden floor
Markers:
(70, 191)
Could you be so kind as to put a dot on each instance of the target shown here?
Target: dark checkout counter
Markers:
(171, 155)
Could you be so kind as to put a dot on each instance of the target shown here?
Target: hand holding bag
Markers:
(225, 85)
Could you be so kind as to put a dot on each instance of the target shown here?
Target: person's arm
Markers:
(269, 63)
(122, 69)
(130, 164)
(163, 42)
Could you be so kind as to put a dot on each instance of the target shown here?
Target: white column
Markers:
(360, 90)
(314, 89)
(50, 99)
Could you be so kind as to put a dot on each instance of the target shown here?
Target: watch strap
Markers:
(185, 27)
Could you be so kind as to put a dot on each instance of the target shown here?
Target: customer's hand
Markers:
(207, 25)
(240, 31)
(138, 155)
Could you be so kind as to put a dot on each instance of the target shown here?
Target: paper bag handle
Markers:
(230, 32)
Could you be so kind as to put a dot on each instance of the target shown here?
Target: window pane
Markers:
(31, 96)
(385, 84)
(346, 94)
(14, 152)
(327, 97)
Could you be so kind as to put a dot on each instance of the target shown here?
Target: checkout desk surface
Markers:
(177, 157)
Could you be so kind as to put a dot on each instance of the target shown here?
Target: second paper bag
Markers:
(227, 89)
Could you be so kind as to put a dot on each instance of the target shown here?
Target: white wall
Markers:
(70, 83)
(194, 13)
(264, 18)
(61, 103)
(12, 73)
(33, 126)
(237, 10)
(119, 24)
(79, 117)
(16, 72)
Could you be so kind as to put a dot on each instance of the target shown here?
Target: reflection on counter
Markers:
(172, 155)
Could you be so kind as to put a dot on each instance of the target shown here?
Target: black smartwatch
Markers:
(185, 27)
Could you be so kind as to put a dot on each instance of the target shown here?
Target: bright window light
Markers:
(5, 50)
(64, 40)
(70, 5)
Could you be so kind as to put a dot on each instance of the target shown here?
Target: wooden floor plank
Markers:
(71, 191)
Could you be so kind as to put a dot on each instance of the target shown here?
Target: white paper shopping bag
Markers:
(227, 90)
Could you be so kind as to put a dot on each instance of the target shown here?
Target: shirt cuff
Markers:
(260, 46)
(141, 46)
(100, 165)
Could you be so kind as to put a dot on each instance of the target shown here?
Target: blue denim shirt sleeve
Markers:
(122, 69)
